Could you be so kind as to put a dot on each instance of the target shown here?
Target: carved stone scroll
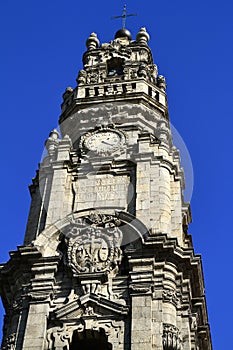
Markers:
(9, 344)
(171, 337)
(170, 295)
(59, 338)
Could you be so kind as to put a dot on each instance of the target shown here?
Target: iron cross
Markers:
(124, 16)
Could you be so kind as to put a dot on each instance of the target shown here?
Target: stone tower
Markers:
(107, 262)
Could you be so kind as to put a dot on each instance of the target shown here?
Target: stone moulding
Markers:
(100, 305)
(90, 312)
(61, 337)
(49, 239)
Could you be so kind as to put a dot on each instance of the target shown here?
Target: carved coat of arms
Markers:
(94, 245)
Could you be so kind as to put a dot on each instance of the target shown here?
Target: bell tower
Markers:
(107, 261)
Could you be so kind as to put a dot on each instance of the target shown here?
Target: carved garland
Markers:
(170, 295)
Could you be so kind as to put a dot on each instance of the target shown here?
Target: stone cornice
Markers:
(164, 248)
(138, 96)
(30, 275)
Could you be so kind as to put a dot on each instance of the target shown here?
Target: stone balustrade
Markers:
(116, 89)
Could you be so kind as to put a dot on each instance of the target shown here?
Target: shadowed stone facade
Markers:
(107, 262)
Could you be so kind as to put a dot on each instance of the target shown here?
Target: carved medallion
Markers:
(94, 244)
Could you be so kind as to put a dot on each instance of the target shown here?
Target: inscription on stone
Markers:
(99, 190)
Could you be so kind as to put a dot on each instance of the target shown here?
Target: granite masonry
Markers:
(107, 261)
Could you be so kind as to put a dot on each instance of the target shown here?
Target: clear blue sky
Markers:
(42, 43)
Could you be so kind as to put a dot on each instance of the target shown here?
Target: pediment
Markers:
(90, 306)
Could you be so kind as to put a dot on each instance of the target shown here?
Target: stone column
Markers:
(35, 331)
(141, 322)
(141, 303)
(60, 201)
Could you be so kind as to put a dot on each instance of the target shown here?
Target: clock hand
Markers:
(107, 143)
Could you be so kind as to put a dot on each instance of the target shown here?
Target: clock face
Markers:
(103, 142)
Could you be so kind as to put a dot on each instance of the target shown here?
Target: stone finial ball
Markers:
(143, 37)
(123, 33)
(92, 42)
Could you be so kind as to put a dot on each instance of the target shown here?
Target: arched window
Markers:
(115, 67)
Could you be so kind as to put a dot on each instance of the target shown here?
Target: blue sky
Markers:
(41, 53)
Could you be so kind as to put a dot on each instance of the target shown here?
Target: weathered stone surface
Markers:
(107, 262)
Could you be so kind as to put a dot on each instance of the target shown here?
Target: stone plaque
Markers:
(101, 191)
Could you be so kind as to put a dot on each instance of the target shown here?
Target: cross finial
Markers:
(124, 16)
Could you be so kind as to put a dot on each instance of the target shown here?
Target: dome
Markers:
(123, 33)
